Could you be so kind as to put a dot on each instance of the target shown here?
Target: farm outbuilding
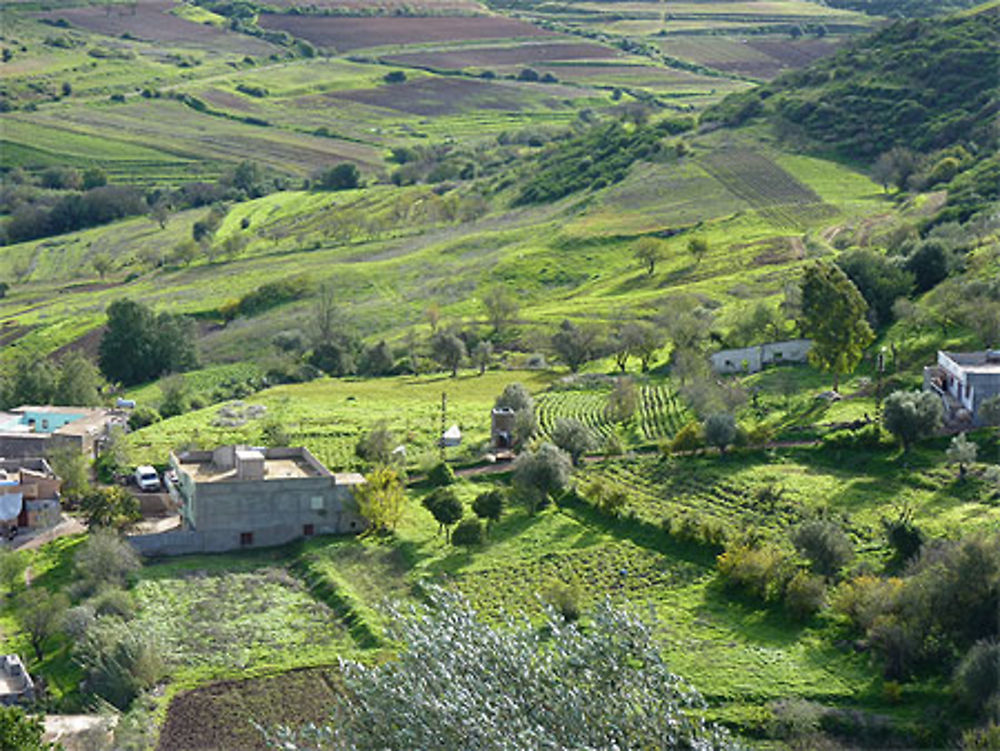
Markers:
(756, 358)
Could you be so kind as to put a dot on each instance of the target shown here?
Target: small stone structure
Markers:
(15, 684)
(502, 421)
(36, 430)
(756, 358)
(239, 497)
(964, 380)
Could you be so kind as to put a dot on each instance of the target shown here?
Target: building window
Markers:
(308, 530)
(246, 538)
(316, 503)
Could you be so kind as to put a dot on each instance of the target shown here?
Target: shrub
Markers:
(344, 176)
(762, 572)
(468, 533)
(824, 544)
(394, 76)
(865, 598)
(105, 558)
(110, 506)
(564, 598)
(977, 678)
(903, 536)
(805, 595)
(114, 602)
(119, 661)
(608, 497)
(688, 438)
(442, 474)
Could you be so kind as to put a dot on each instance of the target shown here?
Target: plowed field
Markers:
(358, 33)
(523, 54)
(221, 716)
(153, 22)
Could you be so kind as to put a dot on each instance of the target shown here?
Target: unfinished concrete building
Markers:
(238, 497)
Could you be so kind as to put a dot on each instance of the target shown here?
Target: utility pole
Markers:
(444, 409)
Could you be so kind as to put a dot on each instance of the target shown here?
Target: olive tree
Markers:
(573, 437)
(461, 683)
(912, 415)
(963, 452)
(720, 430)
(538, 474)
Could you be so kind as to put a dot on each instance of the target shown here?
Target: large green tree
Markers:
(833, 316)
(139, 346)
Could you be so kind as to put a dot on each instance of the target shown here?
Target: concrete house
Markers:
(29, 494)
(237, 497)
(15, 683)
(37, 430)
(756, 358)
(964, 380)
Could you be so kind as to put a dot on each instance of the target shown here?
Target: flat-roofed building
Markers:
(31, 431)
(964, 380)
(238, 497)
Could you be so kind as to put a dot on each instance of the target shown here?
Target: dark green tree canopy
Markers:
(833, 316)
(139, 346)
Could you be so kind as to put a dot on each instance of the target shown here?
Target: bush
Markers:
(824, 544)
(864, 598)
(977, 679)
(105, 558)
(565, 598)
(442, 474)
(119, 661)
(762, 572)
(608, 497)
(142, 417)
(344, 176)
(468, 533)
(114, 602)
(805, 595)
(688, 438)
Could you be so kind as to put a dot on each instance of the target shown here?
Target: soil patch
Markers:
(524, 54)
(438, 96)
(357, 33)
(221, 716)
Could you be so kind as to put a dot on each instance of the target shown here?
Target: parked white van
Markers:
(147, 479)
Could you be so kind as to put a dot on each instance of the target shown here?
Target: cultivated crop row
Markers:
(659, 413)
(657, 490)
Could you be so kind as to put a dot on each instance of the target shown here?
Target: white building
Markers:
(964, 380)
(756, 358)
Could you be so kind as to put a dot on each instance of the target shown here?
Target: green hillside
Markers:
(355, 225)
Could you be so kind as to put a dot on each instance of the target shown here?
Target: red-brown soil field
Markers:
(430, 7)
(220, 717)
(357, 33)
(524, 54)
(443, 96)
(152, 21)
